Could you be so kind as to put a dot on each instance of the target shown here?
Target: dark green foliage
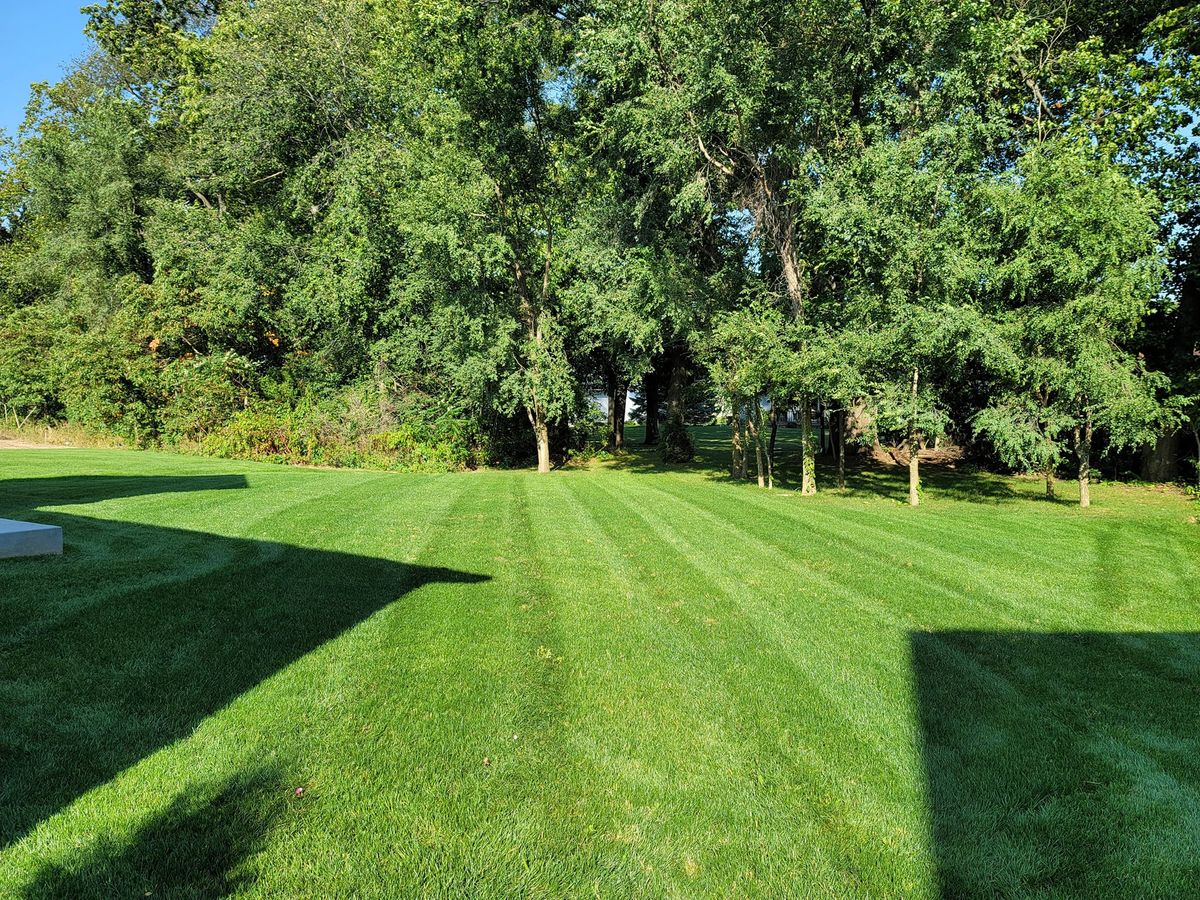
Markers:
(27, 380)
(349, 431)
(675, 442)
(233, 214)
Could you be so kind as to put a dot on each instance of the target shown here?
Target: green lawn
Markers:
(615, 681)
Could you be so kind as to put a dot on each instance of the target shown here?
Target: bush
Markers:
(676, 443)
(270, 435)
(203, 393)
(509, 441)
(332, 435)
(27, 386)
(106, 384)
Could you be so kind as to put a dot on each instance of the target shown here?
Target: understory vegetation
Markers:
(426, 234)
(625, 679)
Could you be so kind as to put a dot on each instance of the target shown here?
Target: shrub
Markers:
(203, 393)
(676, 443)
(325, 435)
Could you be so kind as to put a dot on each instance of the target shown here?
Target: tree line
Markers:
(436, 228)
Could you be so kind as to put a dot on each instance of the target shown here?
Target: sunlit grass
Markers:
(617, 679)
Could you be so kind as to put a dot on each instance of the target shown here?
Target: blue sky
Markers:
(38, 38)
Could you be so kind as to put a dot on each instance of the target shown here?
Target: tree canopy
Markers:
(434, 230)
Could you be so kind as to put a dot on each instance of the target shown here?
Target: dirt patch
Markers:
(20, 444)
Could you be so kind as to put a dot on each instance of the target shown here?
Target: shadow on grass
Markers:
(193, 849)
(1062, 764)
(864, 477)
(22, 496)
(138, 633)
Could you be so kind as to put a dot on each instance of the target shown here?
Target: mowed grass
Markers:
(618, 680)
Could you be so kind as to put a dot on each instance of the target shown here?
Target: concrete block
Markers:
(28, 539)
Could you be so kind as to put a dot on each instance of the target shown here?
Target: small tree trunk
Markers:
(841, 451)
(820, 426)
(622, 394)
(610, 390)
(1196, 435)
(770, 452)
(808, 461)
(735, 445)
(914, 448)
(743, 440)
(914, 473)
(1049, 483)
(774, 431)
(650, 399)
(536, 406)
(756, 434)
(1083, 449)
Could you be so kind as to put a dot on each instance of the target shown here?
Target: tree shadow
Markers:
(1061, 764)
(138, 633)
(867, 478)
(21, 496)
(864, 476)
(192, 849)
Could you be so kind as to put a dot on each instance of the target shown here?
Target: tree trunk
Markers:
(769, 452)
(1158, 459)
(820, 427)
(560, 441)
(808, 461)
(622, 393)
(650, 400)
(792, 277)
(676, 442)
(610, 390)
(1049, 473)
(1196, 435)
(756, 435)
(841, 451)
(1083, 449)
(675, 389)
(541, 435)
(743, 440)
(536, 406)
(914, 470)
(914, 447)
(774, 429)
(735, 444)
(797, 291)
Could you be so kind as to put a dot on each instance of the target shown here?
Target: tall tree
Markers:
(1077, 267)
(503, 68)
(735, 113)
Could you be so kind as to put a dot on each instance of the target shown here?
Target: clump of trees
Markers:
(334, 231)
